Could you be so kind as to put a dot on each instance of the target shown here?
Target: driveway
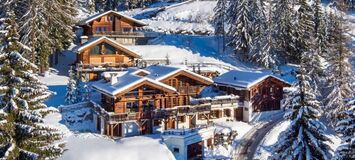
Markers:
(251, 140)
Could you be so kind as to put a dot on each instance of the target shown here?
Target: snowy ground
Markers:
(264, 150)
(192, 17)
(221, 152)
(90, 146)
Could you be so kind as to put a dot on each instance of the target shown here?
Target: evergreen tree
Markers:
(304, 31)
(339, 71)
(72, 92)
(46, 27)
(83, 90)
(22, 132)
(244, 25)
(264, 51)
(283, 26)
(305, 137)
(346, 129)
(219, 20)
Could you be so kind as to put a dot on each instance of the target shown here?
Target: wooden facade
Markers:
(104, 53)
(139, 102)
(265, 95)
(110, 23)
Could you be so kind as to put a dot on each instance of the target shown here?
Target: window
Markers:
(110, 49)
(182, 119)
(103, 29)
(176, 150)
(126, 29)
(95, 50)
(109, 18)
(98, 29)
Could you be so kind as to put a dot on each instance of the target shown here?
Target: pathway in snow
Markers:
(252, 139)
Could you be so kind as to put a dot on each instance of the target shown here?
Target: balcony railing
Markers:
(134, 33)
(104, 66)
(188, 90)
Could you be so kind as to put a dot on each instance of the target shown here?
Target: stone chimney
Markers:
(84, 39)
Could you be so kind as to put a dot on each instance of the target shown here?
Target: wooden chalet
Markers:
(103, 54)
(141, 101)
(263, 90)
(122, 28)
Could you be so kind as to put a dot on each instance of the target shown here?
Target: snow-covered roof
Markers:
(159, 72)
(96, 16)
(244, 79)
(96, 40)
(129, 79)
(155, 74)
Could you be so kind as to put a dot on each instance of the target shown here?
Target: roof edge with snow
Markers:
(94, 17)
(104, 38)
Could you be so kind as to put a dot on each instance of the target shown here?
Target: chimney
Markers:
(114, 79)
(84, 39)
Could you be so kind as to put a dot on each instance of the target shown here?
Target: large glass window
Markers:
(96, 50)
(110, 49)
(126, 29)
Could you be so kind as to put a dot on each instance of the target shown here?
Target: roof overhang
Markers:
(109, 41)
(97, 16)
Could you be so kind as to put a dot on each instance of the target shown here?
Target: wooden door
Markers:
(238, 113)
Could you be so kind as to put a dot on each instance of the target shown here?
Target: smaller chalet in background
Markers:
(122, 28)
(260, 91)
(103, 54)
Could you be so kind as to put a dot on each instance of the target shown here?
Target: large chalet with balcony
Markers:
(142, 101)
(117, 26)
(103, 54)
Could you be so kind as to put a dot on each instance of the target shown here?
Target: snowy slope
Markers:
(90, 146)
(265, 149)
(192, 17)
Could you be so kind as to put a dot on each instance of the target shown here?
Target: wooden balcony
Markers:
(104, 66)
(119, 33)
(189, 90)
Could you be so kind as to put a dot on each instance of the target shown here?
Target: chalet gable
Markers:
(98, 17)
(128, 82)
(162, 73)
(245, 79)
(152, 76)
(111, 43)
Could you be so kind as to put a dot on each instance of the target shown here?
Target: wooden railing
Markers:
(131, 33)
(104, 66)
(188, 90)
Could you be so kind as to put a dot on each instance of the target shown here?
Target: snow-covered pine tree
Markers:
(46, 27)
(83, 90)
(72, 92)
(346, 129)
(242, 26)
(219, 20)
(303, 31)
(22, 132)
(305, 137)
(264, 51)
(283, 20)
(339, 71)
